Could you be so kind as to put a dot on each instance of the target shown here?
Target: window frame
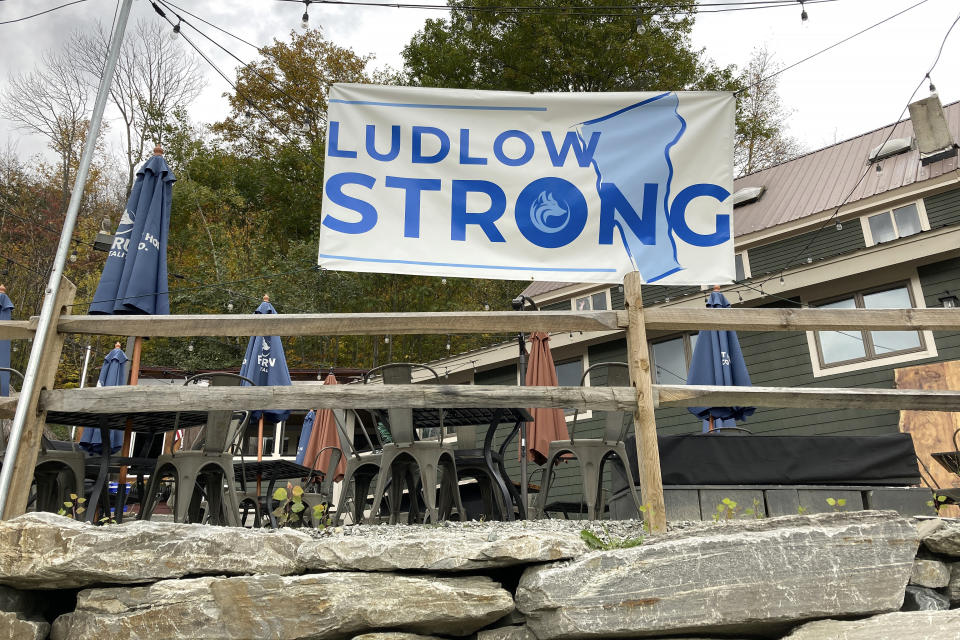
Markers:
(606, 294)
(927, 348)
(687, 352)
(868, 233)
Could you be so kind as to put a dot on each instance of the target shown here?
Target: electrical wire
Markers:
(824, 50)
(831, 220)
(34, 15)
(600, 11)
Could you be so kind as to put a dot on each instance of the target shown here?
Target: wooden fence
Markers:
(641, 398)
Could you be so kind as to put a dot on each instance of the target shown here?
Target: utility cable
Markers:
(34, 15)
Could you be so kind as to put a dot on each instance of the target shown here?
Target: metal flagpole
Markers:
(83, 381)
(69, 223)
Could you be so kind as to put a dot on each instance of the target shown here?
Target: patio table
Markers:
(151, 423)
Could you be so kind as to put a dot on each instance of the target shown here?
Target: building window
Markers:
(900, 222)
(593, 302)
(568, 375)
(671, 358)
(836, 348)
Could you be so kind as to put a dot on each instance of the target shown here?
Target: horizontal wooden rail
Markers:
(676, 319)
(672, 319)
(181, 398)
(805, 398)
(8, 406)
(342, 324)
(17, 329)
(174, 398)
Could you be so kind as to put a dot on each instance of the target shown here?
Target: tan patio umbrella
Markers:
(548, 424)
(325, 434)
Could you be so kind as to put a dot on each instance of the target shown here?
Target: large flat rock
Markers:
(47, 551)
(902, 625)
(439, 549)
(741, 577)
(325, 605)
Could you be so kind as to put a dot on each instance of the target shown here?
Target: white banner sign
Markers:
(575, 187)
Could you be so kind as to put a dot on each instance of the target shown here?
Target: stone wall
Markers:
(869, 575)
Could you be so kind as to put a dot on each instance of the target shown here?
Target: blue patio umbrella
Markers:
(111, 375)
(308, 421)
(717, 360)
(134, 278)
(265, 364)
(6, 311)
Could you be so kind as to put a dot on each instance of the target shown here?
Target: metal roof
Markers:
(819, 181)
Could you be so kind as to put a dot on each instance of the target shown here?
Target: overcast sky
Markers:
(856, 87)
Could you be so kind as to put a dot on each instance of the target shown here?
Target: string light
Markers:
(190, 347)
(305, 19)
(932, 88)
(839, 226)
(448, 343)
(781, 278)
(639, 26)
(879, 168)
(73, 253)
(176, 31)
(803, 12)
(386, 339)
(230, 306)
(468, 25)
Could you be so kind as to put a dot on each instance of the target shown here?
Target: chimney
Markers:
(934, 140)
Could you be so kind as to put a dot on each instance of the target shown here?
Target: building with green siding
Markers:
(862, 223)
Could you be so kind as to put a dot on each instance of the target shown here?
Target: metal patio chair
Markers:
(592, 453)
(209, 461)
(435, 459)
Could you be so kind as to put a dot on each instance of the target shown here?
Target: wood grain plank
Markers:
(806, 397)
(16, 330)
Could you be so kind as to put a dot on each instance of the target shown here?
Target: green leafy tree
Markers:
(563, 46)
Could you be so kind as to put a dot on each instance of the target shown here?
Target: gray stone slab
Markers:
(317, 606)
(47, 551)
(438, 549)
(945, 540)
(711, 499)
(916, 625)
(815, 500)
(907, 501)
(782, 502)
(953, 587)
(747, 577)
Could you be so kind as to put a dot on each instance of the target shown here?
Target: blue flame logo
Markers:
(548, 215)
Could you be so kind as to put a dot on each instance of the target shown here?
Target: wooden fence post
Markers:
(644, 423)
(32, 433)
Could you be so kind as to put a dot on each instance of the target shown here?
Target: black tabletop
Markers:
(152, 422)
(269, 470)
(426, 418)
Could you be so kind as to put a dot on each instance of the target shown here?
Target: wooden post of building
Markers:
(32, 434)
(644, 423)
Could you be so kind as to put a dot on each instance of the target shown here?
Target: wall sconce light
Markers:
(949, 301)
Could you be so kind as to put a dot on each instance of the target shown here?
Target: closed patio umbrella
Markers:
(324, 434)
(548, 424)
(717, 360)
(111, 375)
(266, 365)
(6, 311)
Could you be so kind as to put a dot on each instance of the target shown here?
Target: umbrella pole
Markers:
(259, 449)
(128, 431)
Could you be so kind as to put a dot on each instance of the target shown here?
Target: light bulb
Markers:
(386, 339)
(839, 226)
(229, 306)
(468, 25)
(305, 20)
(781, 279)
(803, 12)
(486, 307)
(443, 281)
(640, 26)
(190, 347)
(176, 32)
(809, 260)
(448, 345)
(73, 256)
(879, 168)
